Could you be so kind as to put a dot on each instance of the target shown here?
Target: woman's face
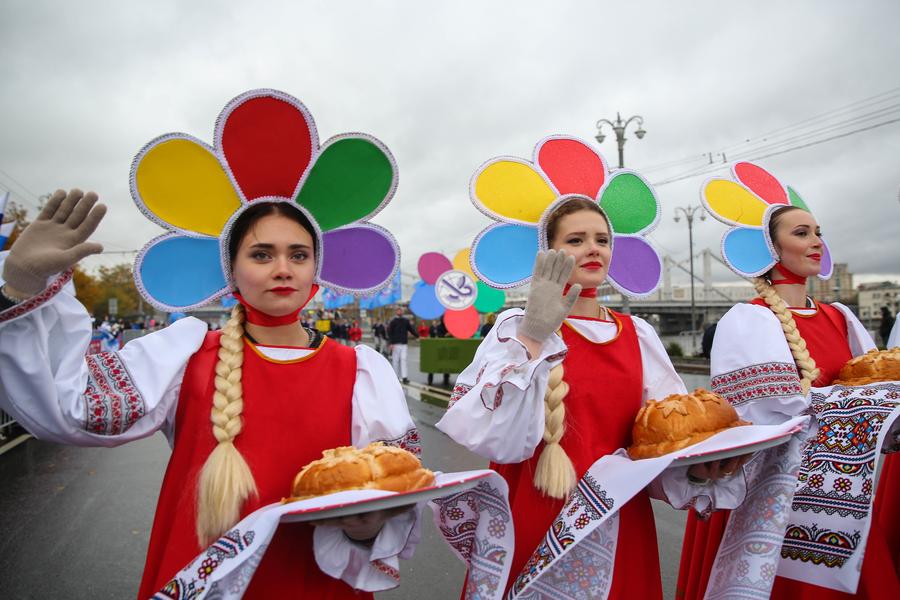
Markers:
(585, 235)
(275, 265)
(798, 240)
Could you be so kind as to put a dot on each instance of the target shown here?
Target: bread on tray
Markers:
(375, 467)
(871, 367)
(679, 421)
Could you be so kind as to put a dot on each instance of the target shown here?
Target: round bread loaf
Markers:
(871, 367)
(678, 421)
(375, 467)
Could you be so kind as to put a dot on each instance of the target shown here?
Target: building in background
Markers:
(837, 289)
(872, 296)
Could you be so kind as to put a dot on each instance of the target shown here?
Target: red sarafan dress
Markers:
(284, 413)
(826, 332)
(599, 419)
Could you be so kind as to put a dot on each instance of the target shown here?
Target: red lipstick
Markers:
(592, 266)
(283, 291)
(815, 256)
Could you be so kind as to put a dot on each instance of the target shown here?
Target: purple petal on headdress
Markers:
(635, 267)
(827, 264)
(358, 258)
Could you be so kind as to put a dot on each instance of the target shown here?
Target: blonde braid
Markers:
(808, 370)
(225, 480)
(555, 475)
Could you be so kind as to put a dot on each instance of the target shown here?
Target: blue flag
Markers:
(334, 299)
(388, 295)
(6, 229)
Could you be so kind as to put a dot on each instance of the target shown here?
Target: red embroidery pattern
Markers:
(409, 441)
(386, 569)
(32, 303)
(757, 381)
(113, 402)
(459, 390)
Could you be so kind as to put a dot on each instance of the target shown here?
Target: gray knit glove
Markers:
(547, 307)
(54, 242)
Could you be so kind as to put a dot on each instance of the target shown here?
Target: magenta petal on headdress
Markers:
(572, 166)
(358, 258)
(827, 264)
(635, 267)
(761, 182)
(432, 265)
(268, 142)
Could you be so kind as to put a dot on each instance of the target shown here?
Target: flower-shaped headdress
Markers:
(521, 195)
(451, 290)
(266, 149)
(747, 205)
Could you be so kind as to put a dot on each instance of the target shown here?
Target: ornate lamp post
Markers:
(619, 129)
(689, 213)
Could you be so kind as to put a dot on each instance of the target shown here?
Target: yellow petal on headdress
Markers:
(461, 262)
(513, 190)
(733, 203)
(184, 184)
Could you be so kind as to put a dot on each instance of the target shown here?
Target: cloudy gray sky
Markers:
(448, 85)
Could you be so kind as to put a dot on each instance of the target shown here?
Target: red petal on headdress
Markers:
(761, 182)
(573, 167)
(268, 144)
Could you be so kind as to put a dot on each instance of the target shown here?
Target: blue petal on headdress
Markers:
(424, 303)
(176, 272)
(503, 254)
(746, 251)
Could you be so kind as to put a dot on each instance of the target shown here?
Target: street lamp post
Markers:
(619, 129)
(689, 213)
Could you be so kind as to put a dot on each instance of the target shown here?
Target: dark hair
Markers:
(257, 211)
(569, 207)
(776, 217)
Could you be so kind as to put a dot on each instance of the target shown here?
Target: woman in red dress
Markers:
(243, 408)
(767, 354)
(556, 386)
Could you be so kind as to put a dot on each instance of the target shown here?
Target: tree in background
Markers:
(116, 282)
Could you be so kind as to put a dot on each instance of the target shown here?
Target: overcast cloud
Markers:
(447, 86)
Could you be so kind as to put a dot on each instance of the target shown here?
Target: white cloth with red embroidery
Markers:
(497, 411)
(802, 518)
(476, 523)
(61, 395)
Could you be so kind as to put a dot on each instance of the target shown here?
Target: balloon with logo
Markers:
(450, 289)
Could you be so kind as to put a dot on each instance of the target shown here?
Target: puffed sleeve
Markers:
(380, 414)
(60, 394)
(752, 367)
(660, 378)
(497, 407)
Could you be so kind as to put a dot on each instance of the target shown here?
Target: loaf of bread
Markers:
(871, 367)
(375, 467)
(678, 421)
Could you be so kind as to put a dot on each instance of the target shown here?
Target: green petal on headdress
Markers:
(629, 203)
(352, 178)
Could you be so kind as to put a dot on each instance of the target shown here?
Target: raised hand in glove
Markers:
(547, 307)
(54, 242)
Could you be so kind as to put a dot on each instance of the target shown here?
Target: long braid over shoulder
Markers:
(807, 365)
(226, 481)
(555, 475)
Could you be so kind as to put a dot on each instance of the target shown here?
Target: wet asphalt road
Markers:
(75, 522)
